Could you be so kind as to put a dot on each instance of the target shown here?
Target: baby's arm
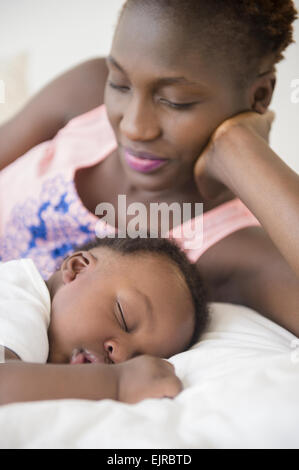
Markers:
(129, 382)
(10, 355)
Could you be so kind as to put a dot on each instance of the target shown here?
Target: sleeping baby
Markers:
(102, 325)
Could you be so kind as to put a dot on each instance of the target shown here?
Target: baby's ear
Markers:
(76, 264)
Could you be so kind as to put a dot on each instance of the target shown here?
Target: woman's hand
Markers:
(259, 124)
(208, 171)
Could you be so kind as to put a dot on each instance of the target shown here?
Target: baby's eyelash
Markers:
(122, 316)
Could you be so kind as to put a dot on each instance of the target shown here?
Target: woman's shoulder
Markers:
(71, 94)
(246, 268)
(87, 89)
(239, 250)
(85, 141)
(235, 263)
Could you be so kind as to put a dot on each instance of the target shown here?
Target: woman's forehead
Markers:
(159, 59)
(152, 36)
(157, 48)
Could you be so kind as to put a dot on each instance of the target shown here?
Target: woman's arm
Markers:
(240, 158)
(263, 265)
(75, 92)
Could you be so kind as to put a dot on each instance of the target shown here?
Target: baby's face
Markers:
(112, 307)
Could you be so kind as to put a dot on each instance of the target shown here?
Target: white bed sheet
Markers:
(241, 391)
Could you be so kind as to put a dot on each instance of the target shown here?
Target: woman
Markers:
(188, 89)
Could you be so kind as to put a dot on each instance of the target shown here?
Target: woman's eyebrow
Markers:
(160, 81)
(113, 62)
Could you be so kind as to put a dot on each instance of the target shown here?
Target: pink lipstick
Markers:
(144, 163)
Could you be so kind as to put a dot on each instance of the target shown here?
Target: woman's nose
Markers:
(118, 352)
(139, 122)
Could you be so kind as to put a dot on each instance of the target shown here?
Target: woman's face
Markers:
(163, 102)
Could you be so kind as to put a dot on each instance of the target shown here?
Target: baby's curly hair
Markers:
(169, 249)
(238, 34)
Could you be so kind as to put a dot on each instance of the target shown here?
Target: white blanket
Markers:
(241, 391)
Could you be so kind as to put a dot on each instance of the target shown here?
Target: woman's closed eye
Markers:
(177, 105)
(122, 317)
(171, 104)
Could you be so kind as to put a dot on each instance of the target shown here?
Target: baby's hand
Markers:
(146, 377)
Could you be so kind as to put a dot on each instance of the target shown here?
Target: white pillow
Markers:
(241, 391)
(235, 334)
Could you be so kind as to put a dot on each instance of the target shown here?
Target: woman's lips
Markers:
(144, 163)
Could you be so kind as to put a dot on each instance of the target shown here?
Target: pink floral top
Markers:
(42, 216)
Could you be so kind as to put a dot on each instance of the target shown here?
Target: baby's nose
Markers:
(117, 352)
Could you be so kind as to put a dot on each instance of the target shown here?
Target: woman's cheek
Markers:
(191, 135)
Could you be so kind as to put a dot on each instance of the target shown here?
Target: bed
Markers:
(241, 390)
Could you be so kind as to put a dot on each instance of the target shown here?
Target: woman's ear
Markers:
(261, 92)
(76, 264)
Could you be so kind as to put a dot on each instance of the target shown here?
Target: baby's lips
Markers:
(84, 356)
(77, 357)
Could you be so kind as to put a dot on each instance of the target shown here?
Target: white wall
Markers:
(285, 133)
(58, 34)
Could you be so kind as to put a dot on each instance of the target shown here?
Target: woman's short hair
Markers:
(237, 34)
